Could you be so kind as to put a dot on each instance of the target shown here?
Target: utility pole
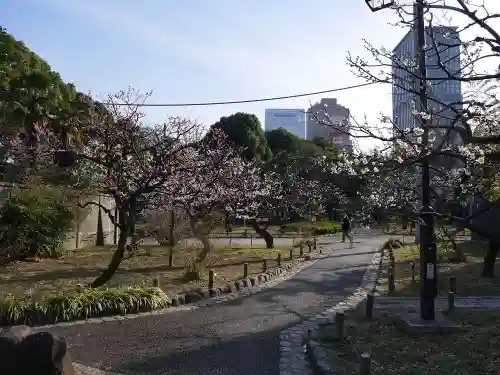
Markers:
(428, 258)
(428, 274)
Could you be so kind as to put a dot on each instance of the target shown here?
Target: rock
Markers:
(247, 283)
(239, 285)
(254, 281)
(226, 289)
(204, 293)
(193, 297)
(182, 299)
(24, 352)
(262, 278)
(175, 301)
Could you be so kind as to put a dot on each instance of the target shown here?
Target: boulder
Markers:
(45, 351)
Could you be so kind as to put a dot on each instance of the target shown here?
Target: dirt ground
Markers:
(52, 276)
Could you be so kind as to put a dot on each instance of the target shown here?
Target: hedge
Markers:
(82, 304)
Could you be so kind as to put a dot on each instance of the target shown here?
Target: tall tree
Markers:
(245, 131)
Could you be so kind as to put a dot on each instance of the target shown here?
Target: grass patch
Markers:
(474, 350)
(468, 275)
(81, 304)
(80, 267)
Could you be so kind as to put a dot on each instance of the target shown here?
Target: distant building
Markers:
(290, 119)
(443, 93)
(329, 120)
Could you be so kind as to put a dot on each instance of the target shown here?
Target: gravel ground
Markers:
(237, 337)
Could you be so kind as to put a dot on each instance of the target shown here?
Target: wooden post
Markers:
(251, 240)
(301, 253)
(370, 301)
(291, 253)
(453, 284)
(315, 244)
(264, 265)
(391, 280)
(451, 301)
(211, 279)
(279, 260)
(339, 324)
(156, 282)
(245, 270)
(365, 367)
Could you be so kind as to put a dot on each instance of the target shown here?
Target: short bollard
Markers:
(391, 280)
(451, 301)
(251, 240)
(278, 260)
(211, 279)
(264, 265)
(245, 270)
(413, 272)
(315, 244)
(366, 364)
(370, 300)
(291, 254)
(453, 284)
(339, 324)
(301, 253)
(156, 282)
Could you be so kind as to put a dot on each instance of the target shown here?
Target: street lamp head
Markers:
(376, 5)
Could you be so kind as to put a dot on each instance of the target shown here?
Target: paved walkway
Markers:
(475, 302)
(237, 337)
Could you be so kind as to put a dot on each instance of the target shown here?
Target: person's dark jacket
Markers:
(346, 224)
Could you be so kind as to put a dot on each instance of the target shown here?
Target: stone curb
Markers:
(301, 355)
(245, 288)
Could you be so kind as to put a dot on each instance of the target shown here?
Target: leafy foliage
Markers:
(83, 304)
(35, 221)
(245, 131)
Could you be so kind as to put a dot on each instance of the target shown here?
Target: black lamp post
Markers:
(376, 5)
(428, 259)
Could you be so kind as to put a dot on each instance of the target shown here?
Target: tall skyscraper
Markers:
(290, 119)
(329, 120)
(444, 93)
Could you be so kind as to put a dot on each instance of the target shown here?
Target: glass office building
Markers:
(290, 119)
(444, 93)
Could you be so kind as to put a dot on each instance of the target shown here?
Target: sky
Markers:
(205, 51)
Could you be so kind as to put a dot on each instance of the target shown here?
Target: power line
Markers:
(206, 104)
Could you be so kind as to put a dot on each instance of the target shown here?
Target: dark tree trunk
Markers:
(171, 239)
(489, 259)
(100, 230)
(263, 233)
(127, 221)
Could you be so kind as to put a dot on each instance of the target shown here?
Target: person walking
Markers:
(346, 228)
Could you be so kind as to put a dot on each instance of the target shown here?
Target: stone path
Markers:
(241, 336)
(474, 302)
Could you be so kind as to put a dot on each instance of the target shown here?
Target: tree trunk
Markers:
(489, 259)
(263, 233)
(171, 238)
(207, 247)
(127, 219)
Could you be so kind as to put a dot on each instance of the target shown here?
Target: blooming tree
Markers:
(461, 138)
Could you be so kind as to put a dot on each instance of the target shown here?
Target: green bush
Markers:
(316, 229)
(35, 221)
(82, 304)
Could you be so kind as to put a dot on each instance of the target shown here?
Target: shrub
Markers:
(82, 304)
(36, 221)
